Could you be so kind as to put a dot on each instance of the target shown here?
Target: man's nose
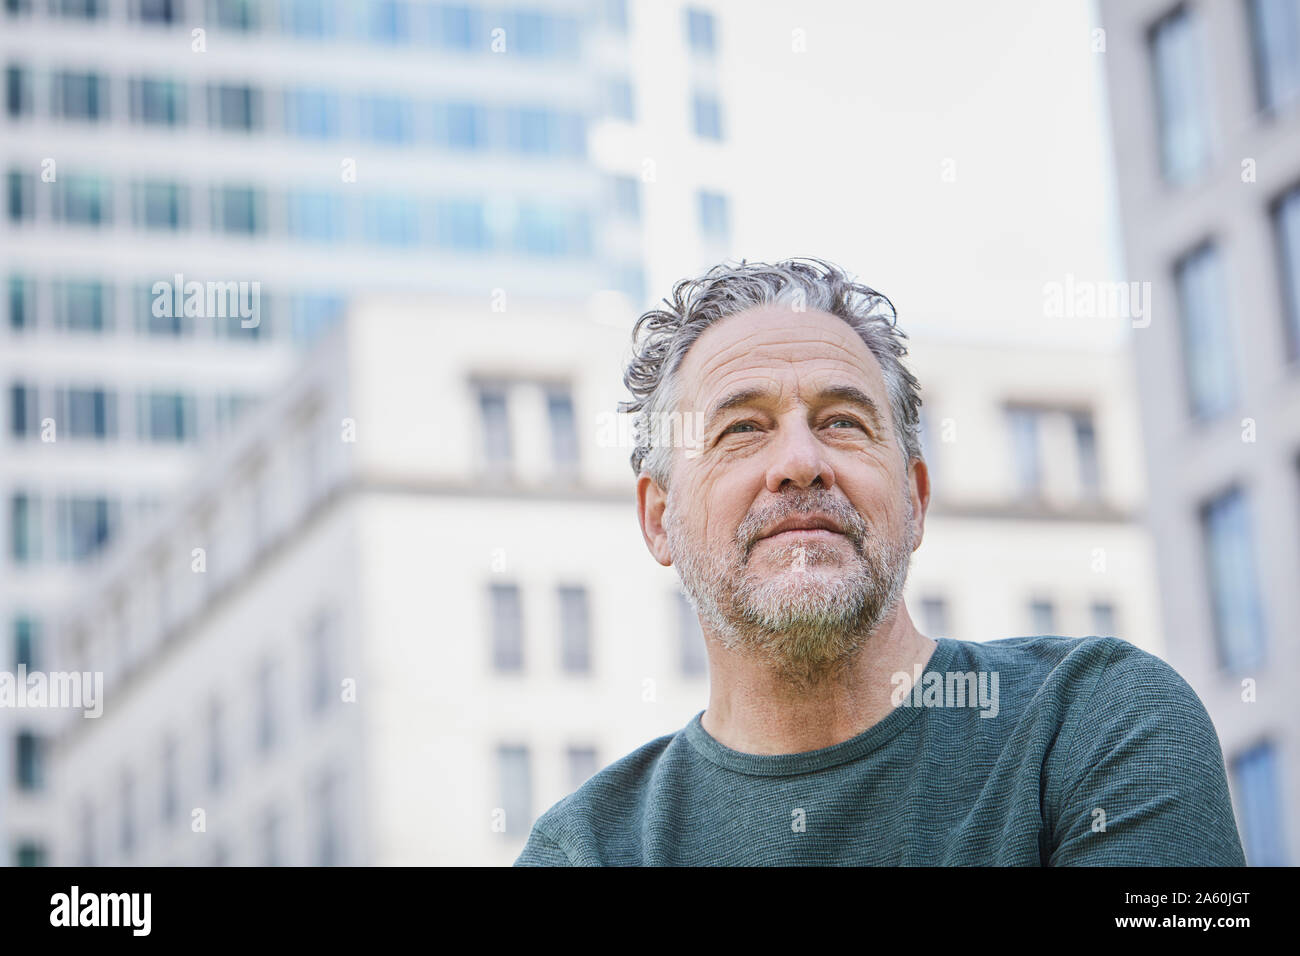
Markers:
(798, 459)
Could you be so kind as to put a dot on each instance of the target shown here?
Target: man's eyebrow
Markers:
(844, 393)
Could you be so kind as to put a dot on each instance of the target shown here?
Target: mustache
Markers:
(855, 528)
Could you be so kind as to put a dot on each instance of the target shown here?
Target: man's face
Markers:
(797, 430)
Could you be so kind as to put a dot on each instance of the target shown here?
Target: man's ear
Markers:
(919, 488)
(650, 503)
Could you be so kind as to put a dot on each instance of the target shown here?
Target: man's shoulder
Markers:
(1074, 663)
(615, 796)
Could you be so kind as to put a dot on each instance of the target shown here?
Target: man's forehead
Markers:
(775, 345)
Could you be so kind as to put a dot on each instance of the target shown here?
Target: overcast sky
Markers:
(845, 149)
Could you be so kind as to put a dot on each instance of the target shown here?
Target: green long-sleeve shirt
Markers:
(1081, 751)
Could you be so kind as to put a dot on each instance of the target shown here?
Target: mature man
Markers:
(837, 733)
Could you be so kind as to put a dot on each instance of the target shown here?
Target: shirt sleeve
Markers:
(1145, 783)
(541, 850)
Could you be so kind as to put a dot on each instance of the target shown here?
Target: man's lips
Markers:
(807, 526)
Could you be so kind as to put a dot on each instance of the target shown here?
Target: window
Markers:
(544, 230)
(326, 835)
(234, 107)
(714, 219)
(216, 744)
(312, 114)
(157, 102)
(495, 422)
(460, 126)
(1178, 60)
(1027, 457)
(1042, 617)
(626, 197)
(26, 638)
(82, 200)
(22, 303)
(575, 631)
(266, 690)
(158, 11)
(1208, 349)
(166, 417)
(507, 628)
(515, 774)
(934, 612)
(1286, 229)
(308, 18)
(170, 802)
(390, 220)
(235, 15)
(270, 839)
(160, 205)
(311, 314)
(461, 224)
(582, 765)
(24, 414)
(79, 96)
(1233, 582)
(81, 305)
(316, 216)
(691, 655)
(1103, 619)
(619, 100)
(564, 430)
(1259, 803)
(86, 412)
(616, 16)
(84, 524)
(1275, 31)
(700, 31)
(388, 21)
(542, 35)
(322, 648)
(1085, 444)
(18, 91)
(25, 528)
(385, 119)
(29, 854)
(706, 115)
(237, 210)
(21, 196)
(457, 26)
(29, 751)
(79, 9)
(147, 323)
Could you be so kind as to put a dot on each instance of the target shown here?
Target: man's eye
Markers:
(731, 428)
(848, 421)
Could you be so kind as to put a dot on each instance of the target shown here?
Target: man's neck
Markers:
(754, 710)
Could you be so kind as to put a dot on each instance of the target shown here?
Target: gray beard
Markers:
(807, 623)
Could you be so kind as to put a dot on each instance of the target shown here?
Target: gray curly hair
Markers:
(662, 337)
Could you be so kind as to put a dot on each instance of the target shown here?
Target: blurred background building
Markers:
(1206, 108)
(364, 576)
(408, 606)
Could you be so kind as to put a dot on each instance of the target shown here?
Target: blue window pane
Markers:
(457, 27)
(312, 114)
(1230, 555)
(707, 116)
(460, 126)
(308, 18)
(714, 219)
(1260, 805)
(700, 32)
(390, 221)
(461, 224)
(1178, 61)
(552, 231)
(386, 119)
(313, 314)
(1276, 34)
(316, 216)
(1208, 349)
(388, 21)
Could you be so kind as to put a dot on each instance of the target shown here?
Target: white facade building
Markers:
(320, 149)
(1205, 101)
(427, 611)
